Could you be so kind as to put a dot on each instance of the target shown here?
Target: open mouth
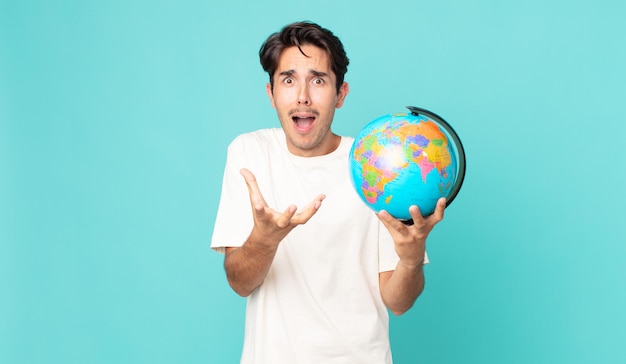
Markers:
(303, 123)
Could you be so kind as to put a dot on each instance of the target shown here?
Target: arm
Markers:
(400, 288)
(246, 267)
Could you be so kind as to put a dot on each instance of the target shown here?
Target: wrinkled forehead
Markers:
(306, 58)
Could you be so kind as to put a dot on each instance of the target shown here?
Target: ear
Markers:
(341, 95)
(270, 94)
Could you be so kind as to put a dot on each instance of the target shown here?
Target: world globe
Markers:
(405, 159)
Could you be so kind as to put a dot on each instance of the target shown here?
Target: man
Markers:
(319, 268)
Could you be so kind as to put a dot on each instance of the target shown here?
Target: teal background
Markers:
(115, 117)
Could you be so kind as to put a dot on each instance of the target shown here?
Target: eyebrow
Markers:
(287, 73)
(313, 72)
(318, 73)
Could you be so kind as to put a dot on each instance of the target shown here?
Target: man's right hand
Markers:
(271, 226)
(247, 266)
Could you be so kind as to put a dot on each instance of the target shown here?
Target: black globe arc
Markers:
(454, 191)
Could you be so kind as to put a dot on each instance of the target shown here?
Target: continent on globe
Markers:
(401, 159)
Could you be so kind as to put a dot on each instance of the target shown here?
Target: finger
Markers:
(416, 215)
(317, 202)
(390, 222)
(307, 212)
(256, 198)
(439, 210)
(285, 218)
(384, 216)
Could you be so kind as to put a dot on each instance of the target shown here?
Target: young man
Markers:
(319, 268)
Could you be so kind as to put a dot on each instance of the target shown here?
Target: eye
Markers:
(318, 81)
(288, 81)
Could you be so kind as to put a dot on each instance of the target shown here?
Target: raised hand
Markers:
(271, 226)
(247, 266)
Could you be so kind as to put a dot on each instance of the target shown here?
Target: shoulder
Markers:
(347, 141)
(345, 145)
(262, 138)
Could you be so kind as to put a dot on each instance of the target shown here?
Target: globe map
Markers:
(402, 159)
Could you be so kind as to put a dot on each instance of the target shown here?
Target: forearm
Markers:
(247, 266)
(403, 287)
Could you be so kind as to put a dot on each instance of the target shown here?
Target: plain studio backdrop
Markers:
(114, 122)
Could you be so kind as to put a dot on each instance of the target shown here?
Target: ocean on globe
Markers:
(405, 159)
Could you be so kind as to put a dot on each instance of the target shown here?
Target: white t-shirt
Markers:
(320, 301)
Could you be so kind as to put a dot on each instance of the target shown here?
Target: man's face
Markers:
(305, 98)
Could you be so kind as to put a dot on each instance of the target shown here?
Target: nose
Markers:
(303, 96)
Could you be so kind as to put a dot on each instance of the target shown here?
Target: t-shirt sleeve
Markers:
(233, 221)
(387, 256)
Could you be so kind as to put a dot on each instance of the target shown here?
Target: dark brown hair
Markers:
(299, 34)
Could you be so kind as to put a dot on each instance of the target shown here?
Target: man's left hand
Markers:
(410, 240)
